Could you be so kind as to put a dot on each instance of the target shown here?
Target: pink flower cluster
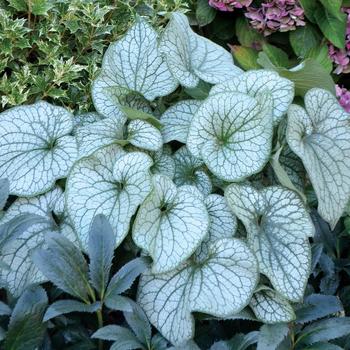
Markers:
(276, 15)
(229, 5)
(341, 57)
(343, 96)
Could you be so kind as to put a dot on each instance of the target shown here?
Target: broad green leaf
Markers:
(139, 323)
(135, 114)
(271, 336)
(247, 36)
(320, 54)
(309, 7)
(190, 170)
(177, 119)
(278, 227)
(124, 278)
(131, 66)
(4, 309)
(62, 307)
(205, 14)
(317, 306)
(101, 250)
(17, 248)
(170, 224)
(256, 82)
(319, 135)
(246, 57)
(325, 330)
(26, 328)
(64, 265)
(305, 76)
(333, 27)
(232, 133)
(35, 147)
(110, 182)
(220, 286)
(191, 57)
(276, 55)
(123, 337)
(4, 192)
(269, 307)
(303, 39)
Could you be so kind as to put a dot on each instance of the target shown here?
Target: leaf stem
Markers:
(100, 325)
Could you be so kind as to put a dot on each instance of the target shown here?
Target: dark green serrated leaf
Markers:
(67, 306)
(325, 330)
(271, 336)
(26, 328)
(101, 249)
(64, 265)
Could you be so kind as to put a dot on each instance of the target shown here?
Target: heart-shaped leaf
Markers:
(257, 81)
(177, 119)
(191, 57)
(189, 170)
(132, 66)
(320, 136)
(109, 182)
(232, 133)
(221, 285)
(170, 224)
(270, 307)
(278, 227)
(35, 147)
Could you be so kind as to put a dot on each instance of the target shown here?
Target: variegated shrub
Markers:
(212, 189)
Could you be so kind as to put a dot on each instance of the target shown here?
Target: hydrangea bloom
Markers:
(229, 5)
(276, 15)
(341, 57)
(343, 96)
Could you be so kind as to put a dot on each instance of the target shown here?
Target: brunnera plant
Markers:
(176, 174)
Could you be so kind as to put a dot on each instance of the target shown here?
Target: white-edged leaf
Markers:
(101, 250)
(35, 147)
(320, 136)
(232, 133)
(191, 57)
(278, 227)
(64, 265)
(62, 307)
(16, 251)
(132, 65)
(270, 307)
(220, 286)
(109, 182)
(144, 135)
(255, 82)
(271, 336)
(26, 328)
(223, 223)
(176, 120)
(4, 192)
(170, 224)
(189, 170)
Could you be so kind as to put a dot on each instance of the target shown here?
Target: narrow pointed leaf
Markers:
(271, 336)
(192, 57)
(220, 286)
(269, 307)
(319, 135)
(189, 170)
(119, 303)
(101, 251)
(176, 120)
(26, 328)
(110, 182)
(257, 81)
(35, 147)
(232, 133)
(67, 306)
(278, 228)
(64, 265)
(116, 333)
(170, 224)
(132, 64)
